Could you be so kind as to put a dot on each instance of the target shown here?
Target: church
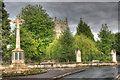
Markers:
(60, 26)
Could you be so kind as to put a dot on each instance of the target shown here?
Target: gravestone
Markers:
(113, 53)
(78, 55)
(18, 53)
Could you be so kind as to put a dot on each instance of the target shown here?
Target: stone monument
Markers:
(18, 53)
(78, 55)
(113, 53)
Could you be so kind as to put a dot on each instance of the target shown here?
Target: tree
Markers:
(106, 40)
(83, 28)
(62, 48)
(53, 50)
(38, 21)
(66, 51)
(40, 24)
(117, 42)
(5, 32)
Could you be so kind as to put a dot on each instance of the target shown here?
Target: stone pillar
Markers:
(17, 34)
(113, 53)
(78, 55)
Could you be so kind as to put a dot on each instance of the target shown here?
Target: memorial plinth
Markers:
(18, 56)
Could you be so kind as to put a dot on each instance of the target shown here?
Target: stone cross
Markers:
(17, 22)
(78, 55)
(113, 52)
(18, 53)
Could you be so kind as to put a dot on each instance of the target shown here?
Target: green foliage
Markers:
(106, 40)
(38, 21)
(40, 24)
(83, 28)
(5, 32)
(53, 50)
(88, 49)
(117, 42)
(62, 48)
(66, 51)
(41, 47)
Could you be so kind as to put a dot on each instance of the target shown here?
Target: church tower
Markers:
(60, 26)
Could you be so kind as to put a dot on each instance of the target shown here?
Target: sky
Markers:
(93, 13)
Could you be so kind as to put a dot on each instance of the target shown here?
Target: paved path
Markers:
(46, 76)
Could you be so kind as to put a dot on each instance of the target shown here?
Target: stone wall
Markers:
(72, 65)
(69, 65)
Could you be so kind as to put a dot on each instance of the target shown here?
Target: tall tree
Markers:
(117, 42)
(38, 21)
(106, 40)
(66, 52)
(5, 31)
(62, 48)
(66, 41)
(84, 29)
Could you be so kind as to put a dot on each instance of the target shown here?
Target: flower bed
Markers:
(23, 73)
(4, 63)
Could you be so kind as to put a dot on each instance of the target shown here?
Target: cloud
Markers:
(93, 13)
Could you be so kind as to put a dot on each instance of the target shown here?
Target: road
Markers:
(97, 73)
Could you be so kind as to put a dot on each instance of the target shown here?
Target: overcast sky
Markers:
(93, 13)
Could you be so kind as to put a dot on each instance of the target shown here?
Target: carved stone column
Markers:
(78, 55)
(113, 53)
